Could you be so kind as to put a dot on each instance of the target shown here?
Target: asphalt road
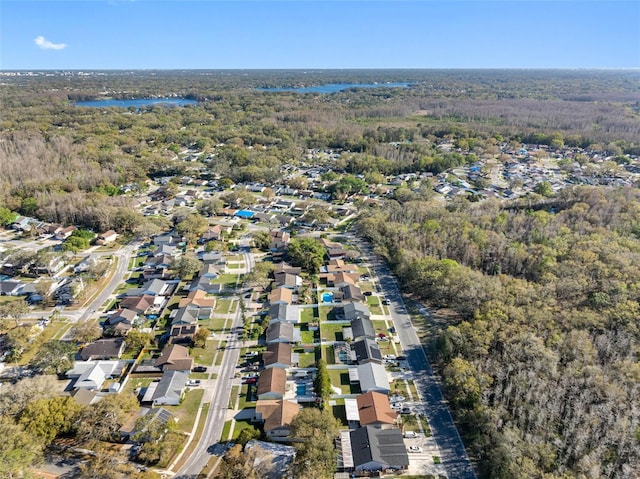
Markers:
(122, 255)
(453, 454)
(218, 408)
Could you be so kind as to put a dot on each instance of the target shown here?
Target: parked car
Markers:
(193, 382)
(386, 302)
(410, 434)
(199, 369)
(396, 398)
(405, 410)
(396, 406)
(367, 293)
(414, 449)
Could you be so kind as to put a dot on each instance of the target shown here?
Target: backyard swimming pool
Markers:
(327, 297)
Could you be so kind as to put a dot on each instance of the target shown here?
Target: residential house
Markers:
(338, 266)
(171, 238)
(278, 240)
(373, 377)
(174, 358)
(64, 233)
(339, 280)
(214, 233)
(276, 417)
(91, 375)
(170, 389)
(272, 384)
(284, 220)
(209, 271)
(200, 299)
(289, 281)
(212, 257)
(366, 351)
(281, 332)
(103, 349)
(154, 418)
(10, 287)
(288, 313)
(139, 304)
(355, 310)
(362, 328)
(107, 237)
(184, 324)
(351, 293)
(278, 355)
(374, 410)
(202, 283)
(281, 295)
(120, 322)
(286, 268)
(271, 459)
(378, 449)
(22, 223)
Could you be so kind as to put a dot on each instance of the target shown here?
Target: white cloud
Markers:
(47, 45)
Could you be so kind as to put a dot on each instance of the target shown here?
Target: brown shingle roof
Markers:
(276, 412)
(281, 294)
(277, 353)
(374, 408)
(272, 380)
(175, 358)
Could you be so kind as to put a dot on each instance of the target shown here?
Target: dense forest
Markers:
(542, 365)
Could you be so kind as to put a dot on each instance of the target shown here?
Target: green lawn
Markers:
(327, 354)
(186, 411)
(244, 402)
(204, 355)
(234, 265)
(340, 379)
(307, 337)
(307, 360)
(214, 324)
(381, 326)
(308, 315)
(366, 286)
(331, 331)
(223, 306)
(324, 312)
(239, 426)
(227, 279)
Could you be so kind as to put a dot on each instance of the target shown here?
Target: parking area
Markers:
(424, 456)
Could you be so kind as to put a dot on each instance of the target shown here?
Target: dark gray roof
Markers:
(356, 310)
(384, 446)
(367, 349)
(103, 349)
(363, 328)
(280, 330)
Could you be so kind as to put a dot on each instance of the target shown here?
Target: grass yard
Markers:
(323, 312)
(331, 331)
(327, 354)
(308, 315)
(239, 426)
(227, 279)
(340, 379)
(223, 306)
(234, 265)
(215, 325)
(366, 286)
(307, 337)
(307, 360)
(186, 411)
(204, 355)
(381, 326)
(245, 401)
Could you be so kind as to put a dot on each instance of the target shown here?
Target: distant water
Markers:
(137, 102)
(336, 87)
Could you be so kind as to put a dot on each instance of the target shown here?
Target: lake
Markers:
(137, 102)
(336, 87)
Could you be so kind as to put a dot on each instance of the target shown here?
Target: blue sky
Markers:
(116, 34)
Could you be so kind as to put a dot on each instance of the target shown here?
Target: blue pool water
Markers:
(327, 297)
(301, 390)
(245, 214)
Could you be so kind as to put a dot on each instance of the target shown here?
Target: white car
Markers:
(416, 449)
(397, 406)
(396, 398)
(410, 434)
